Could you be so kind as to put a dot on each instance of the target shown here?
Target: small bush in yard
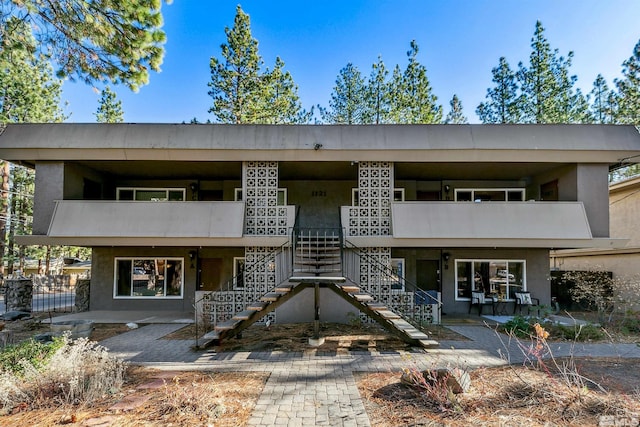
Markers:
(518, 326)
(586, 332)
(37, 354)
(77, 372)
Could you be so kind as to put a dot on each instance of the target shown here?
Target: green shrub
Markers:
(13, 357)
(588, 332)
(519, 326)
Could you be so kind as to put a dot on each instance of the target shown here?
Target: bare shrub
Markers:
(187, 402)
(432, 388)
(79, 372)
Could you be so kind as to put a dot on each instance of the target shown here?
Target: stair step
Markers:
(416, 334)
(271, 296)
(389, 315)
(362, 297)
(257, 306)
(285, 287)
(429, 343)
(350, 289)
(377, 306)
(318, 262)
(402, 324)
(244, 315)
(227, 325)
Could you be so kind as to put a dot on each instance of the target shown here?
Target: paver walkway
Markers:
(319, 388)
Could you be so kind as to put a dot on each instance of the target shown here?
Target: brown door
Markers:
(428, 275)
(210, 273)
(549, 191)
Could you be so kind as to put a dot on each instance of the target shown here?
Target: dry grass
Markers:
(506, 396)
(169, 398)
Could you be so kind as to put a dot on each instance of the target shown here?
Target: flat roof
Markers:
(609, 144)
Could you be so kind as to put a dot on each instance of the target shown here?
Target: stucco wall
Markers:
(319, 201)
(537, 274)
(49, 187)
(102, 280)
(593, 192)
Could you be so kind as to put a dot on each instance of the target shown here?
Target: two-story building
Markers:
(416, 216)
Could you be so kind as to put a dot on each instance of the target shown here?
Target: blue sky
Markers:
(460, 41)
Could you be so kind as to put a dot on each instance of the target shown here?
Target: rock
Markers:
(132, 325)
(15, 315)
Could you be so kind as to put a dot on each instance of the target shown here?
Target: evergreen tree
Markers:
(236, 83)
(28, 93)
(502, 100)
(546, 88)
(94, 40)
(242, 92)
(377, 94)
(110, 108)
(629, 89)
(348, 104)
(28, 90)
(455, 115)
(418, 101)
(281, 103)
(396, 96)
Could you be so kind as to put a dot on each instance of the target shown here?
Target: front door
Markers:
(210, 273)
(428, 274)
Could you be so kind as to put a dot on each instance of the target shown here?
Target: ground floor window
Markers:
(502, 278)
(238, 272)
(149, 277)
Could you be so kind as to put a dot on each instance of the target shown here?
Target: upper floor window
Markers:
(150, 194)
(489, 194)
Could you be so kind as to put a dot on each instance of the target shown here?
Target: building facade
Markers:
(624, 212)
(419, 216)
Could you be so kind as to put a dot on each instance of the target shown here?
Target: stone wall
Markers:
(18, 294)
(82, 295)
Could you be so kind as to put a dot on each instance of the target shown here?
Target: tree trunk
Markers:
(4, 210)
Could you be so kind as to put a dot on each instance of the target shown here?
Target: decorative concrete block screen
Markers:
(377, 282)
(260, 193)
(372, 214)
(259, 278)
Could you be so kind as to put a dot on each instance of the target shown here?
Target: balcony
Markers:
(136, 223)
(488, 224)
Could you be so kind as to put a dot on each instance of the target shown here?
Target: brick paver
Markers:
(318, 388)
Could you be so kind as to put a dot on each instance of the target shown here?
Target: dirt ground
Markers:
(505, 396)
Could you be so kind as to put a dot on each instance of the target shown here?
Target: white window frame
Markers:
(165, 189)
(493, 260)
(147, 297)
(505, 190)
(236, 263)
(398, 264)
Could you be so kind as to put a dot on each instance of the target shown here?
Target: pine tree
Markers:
(95, 40)
(281, 104)
(502, 100)
(377, 94)
(455, 115)
(348, 103)
(28, 93)
(629, 89)
(110, 108)
(236, 83)
(28, 90)
(418, 101)
(396, 96)
(546, 88)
